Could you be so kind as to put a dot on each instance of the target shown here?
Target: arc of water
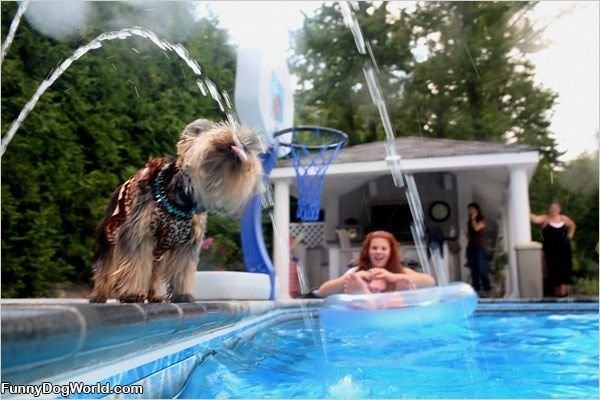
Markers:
(418, 226)
(393, 159)
(302, 279)
(13, 29)
(438, 265)
(180, 50)
(363, 47)
(351, 22)
(206, 86)
(421, 251)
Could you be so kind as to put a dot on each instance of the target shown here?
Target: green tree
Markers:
(333, 91)
(477, 82)
(102, 120)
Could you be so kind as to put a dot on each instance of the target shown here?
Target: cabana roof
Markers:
(418, 147)
(419, 154)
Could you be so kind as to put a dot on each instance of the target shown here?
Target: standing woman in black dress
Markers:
(557, 231)
(476, 250)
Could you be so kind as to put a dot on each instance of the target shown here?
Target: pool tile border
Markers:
(525, 305)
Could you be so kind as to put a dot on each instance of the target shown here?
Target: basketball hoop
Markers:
(311, 149)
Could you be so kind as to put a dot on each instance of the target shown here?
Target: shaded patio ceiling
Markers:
(484, 164)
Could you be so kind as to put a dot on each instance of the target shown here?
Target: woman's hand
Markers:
(364, 275)
(405, 283)
(382, 273)
(356, 283)
(402, 281)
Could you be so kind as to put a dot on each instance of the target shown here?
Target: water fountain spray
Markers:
(370, 68)
(13, 29)
(205, 85)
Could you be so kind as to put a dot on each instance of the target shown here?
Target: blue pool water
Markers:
(491, 356)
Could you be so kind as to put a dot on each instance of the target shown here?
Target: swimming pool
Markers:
(541, 355)
(279, 350)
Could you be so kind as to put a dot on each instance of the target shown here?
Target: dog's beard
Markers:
(221, 177)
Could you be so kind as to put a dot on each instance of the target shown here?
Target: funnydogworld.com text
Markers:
(70, 388)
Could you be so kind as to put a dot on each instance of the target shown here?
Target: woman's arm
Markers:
(335, 286)
(418, 278)
(332, 286)
(537, 219)
(570, 226)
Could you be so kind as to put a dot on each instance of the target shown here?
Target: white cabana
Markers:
(358, 185)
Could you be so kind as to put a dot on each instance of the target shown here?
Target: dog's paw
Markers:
(132, 298)
(155, 299)
(182, 298)
(97, 299)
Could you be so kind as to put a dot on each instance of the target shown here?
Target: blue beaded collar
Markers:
(182, 211)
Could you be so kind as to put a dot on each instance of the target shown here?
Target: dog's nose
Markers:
(239, 152)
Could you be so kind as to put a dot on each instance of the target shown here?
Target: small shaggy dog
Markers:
(149, 241)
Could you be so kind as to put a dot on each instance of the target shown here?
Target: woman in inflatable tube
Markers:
(378, 293)
(379, 269)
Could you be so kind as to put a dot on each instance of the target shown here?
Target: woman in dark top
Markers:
(557, 231)
(476, 251)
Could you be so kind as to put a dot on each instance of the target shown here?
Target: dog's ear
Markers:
(192, 131)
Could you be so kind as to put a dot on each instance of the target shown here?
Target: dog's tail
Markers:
(102, 250)
(102, 242)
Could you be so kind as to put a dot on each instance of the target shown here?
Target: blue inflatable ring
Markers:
(435, 305)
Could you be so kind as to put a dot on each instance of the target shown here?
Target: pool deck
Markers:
(45, 337)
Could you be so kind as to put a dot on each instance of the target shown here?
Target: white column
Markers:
(512, 287)
(332, 215)
(506, 245)
(281, 244)
(333, 258)
(519, 198)
(518, 221)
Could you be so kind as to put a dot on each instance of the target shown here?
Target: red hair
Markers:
(394, 263)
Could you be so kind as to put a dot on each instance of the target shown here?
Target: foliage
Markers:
(474, 82)
(498, 274)
(224, 252)
(101, 121)
(586, 286)
(329, 68)
(126, 102)
(469, 78)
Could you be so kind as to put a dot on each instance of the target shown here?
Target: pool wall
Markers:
(155, 345)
